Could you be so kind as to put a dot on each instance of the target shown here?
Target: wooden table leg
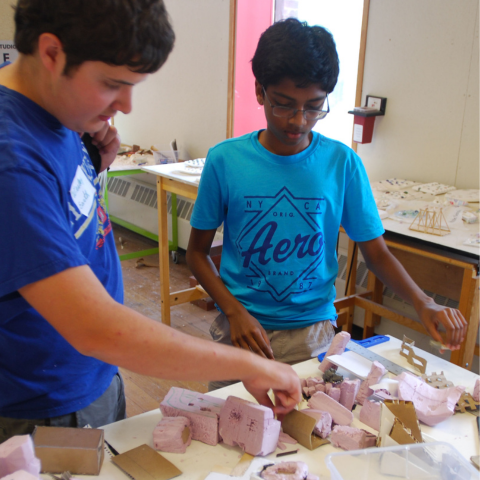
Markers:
(371, 319)
(351, 288)
(163, 252)
(468, 305)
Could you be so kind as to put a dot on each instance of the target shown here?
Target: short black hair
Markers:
(135, 33)
(292, 49)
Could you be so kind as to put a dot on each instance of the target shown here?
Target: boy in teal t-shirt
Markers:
(282, 194)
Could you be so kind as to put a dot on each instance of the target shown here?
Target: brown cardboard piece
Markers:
(398, 423)
(300, 427)
(77, 450)
(144, 463)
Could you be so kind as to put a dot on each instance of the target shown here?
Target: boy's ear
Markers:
(259, 93)
(50, 51)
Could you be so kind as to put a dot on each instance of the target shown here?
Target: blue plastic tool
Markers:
(366, 343)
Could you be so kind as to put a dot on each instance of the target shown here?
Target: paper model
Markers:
(340, 415)
(17, 453)
(324, 421)
(172, 434)
(476, 390)
(432, 405)
(398, 424)
(302, 428)
(348, 392)
(370, 414)
(337, 347)
(376, 373)
(202, 410)
(288, 470)
(250, 426)
(350, 438)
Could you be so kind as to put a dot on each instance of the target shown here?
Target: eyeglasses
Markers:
(288, 112)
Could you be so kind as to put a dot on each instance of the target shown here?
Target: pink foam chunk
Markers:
(433, 405)
(476, 391)
(250, 426)
(348, 392)
(18, 453)
(340, 415)
(20, 475)
(324, 421)
(376, 373)
(285, 438)
(348, 438)
(202, 410)
(168, 434)
(337, 347)
(335, 393)
(370, 414)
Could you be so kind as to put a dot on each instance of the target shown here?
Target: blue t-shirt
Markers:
(281, 219)
(52, 218)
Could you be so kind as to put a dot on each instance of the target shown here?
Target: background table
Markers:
(460, 430)
(169, 180)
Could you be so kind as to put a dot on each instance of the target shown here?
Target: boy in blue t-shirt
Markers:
(282, 194)
(63, 327)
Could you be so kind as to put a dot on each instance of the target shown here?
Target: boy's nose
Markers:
(298, 118)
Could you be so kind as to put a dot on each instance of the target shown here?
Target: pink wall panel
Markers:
(253, 18)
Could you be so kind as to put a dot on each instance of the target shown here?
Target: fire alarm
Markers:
(364, 118)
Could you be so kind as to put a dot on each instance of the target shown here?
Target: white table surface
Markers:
(172, 171)
(460, 430)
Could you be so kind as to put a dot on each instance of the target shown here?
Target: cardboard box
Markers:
(77, 450)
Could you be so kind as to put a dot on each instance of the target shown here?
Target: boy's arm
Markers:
(246, 331)
(76, 304)
(390, 271)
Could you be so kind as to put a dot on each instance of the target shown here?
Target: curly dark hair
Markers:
(135, 33)
(292, 49)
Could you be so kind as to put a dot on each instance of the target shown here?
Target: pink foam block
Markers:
(337, 347)
(18, 453)
(350, 438)
(288, 470)
(348, 392)
(250, 426)
(202, 410)
(370, 414)
(376, 373)
(335, 393)
(168, 435)
(324, 421)
(433, 405)
(476, 391)
(20, 475)
(340, 415)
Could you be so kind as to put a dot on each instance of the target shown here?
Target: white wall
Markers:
(187, 98)
(423, 56)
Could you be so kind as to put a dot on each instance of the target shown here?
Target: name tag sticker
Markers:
(82, 191)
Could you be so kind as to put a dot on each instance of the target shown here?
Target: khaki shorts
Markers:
(289, 346)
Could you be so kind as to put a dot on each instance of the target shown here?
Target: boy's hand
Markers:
(248, 334)
(286, 389)
(107, 141)
(433, 315)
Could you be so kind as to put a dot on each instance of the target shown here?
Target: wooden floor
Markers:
(142, 293)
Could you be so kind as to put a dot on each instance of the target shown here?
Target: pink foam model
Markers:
(335, 393)
(340, 415)
(370, 414)
(337, 347)
(324, 421)
(20, 475)
(202, 410)
(18, 453)
(476, 391)
(169, 435)
(250, 426)
(433, 405)
(350, 438)
(348, 392)
(283, 438)
(288, 471)
(376, 373)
